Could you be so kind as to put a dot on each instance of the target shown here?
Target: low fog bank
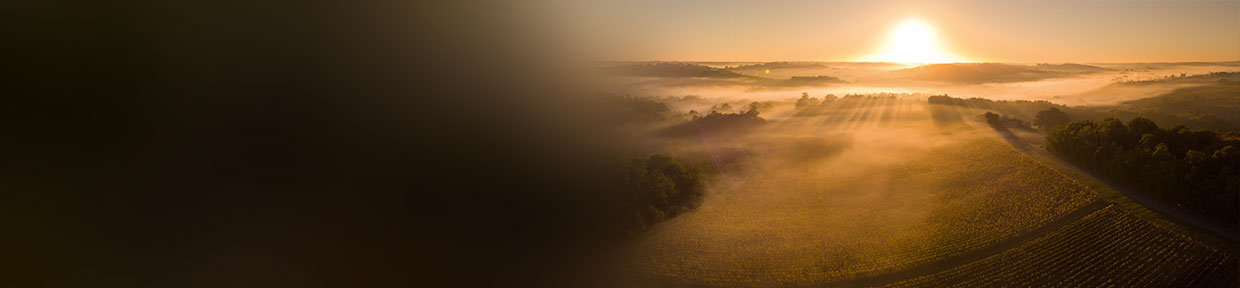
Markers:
(736, 139)
(822, 181)
(1069, 84)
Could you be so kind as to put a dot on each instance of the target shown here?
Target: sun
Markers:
(913, 41)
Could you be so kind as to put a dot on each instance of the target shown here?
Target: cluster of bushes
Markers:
(1050, 118)
(947, 100)
(716, 123)
(811, 80)
(1195, 169)
(655, 189)
(716, 120)
(817, 78)
(1003, 122)
(779, 65)
(985, 103)
(806, 101)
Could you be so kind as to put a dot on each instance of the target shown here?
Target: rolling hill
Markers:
(977, 73)
(670, 70)
(1219, 101)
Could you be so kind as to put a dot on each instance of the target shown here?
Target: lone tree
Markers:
(993, 119)
(1051, 118)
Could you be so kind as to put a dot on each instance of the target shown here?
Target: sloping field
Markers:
(877, 208)
(1110, 247)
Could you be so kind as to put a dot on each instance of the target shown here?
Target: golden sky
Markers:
(992, 31)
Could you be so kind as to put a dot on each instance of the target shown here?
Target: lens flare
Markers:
(913, 41)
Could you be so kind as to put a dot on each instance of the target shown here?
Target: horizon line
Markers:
(889, 62)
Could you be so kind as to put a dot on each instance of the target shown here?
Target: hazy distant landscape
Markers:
(886, 174)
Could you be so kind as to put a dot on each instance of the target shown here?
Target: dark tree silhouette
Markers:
(656, 189)
(1195, 169)
(806, 101)
(1051, 118)
(716, 124)
(993, 119)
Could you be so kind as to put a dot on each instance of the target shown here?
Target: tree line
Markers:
(1002, 121)
(717, 124)
(1195, 169)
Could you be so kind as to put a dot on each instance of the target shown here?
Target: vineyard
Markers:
(919, 199)
(818, 225)
(1110, 247)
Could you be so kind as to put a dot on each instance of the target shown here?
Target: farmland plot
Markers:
(882, 206)
(1110, 247)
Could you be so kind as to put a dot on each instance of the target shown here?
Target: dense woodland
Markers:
(655, 189)
(652, 187)
(1195, 169)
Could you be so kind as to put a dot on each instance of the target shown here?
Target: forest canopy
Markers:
(655, 189)
(1195, 169)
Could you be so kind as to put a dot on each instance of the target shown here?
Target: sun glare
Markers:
(913, 41)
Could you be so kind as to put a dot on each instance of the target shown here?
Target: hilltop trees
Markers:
(806, 101)
(810, 80)
(946, 100)
(811, 105)
(1002, 121)
(718, 124)
(830, 98)
(993, 119)
(755, 107)
(1195, 169)
(1051, 118)
(671, 70)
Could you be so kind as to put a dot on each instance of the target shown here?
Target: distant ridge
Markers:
(975, 73)
(972, 73)
(1071, 68)
(670, 70)
(780, 65)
